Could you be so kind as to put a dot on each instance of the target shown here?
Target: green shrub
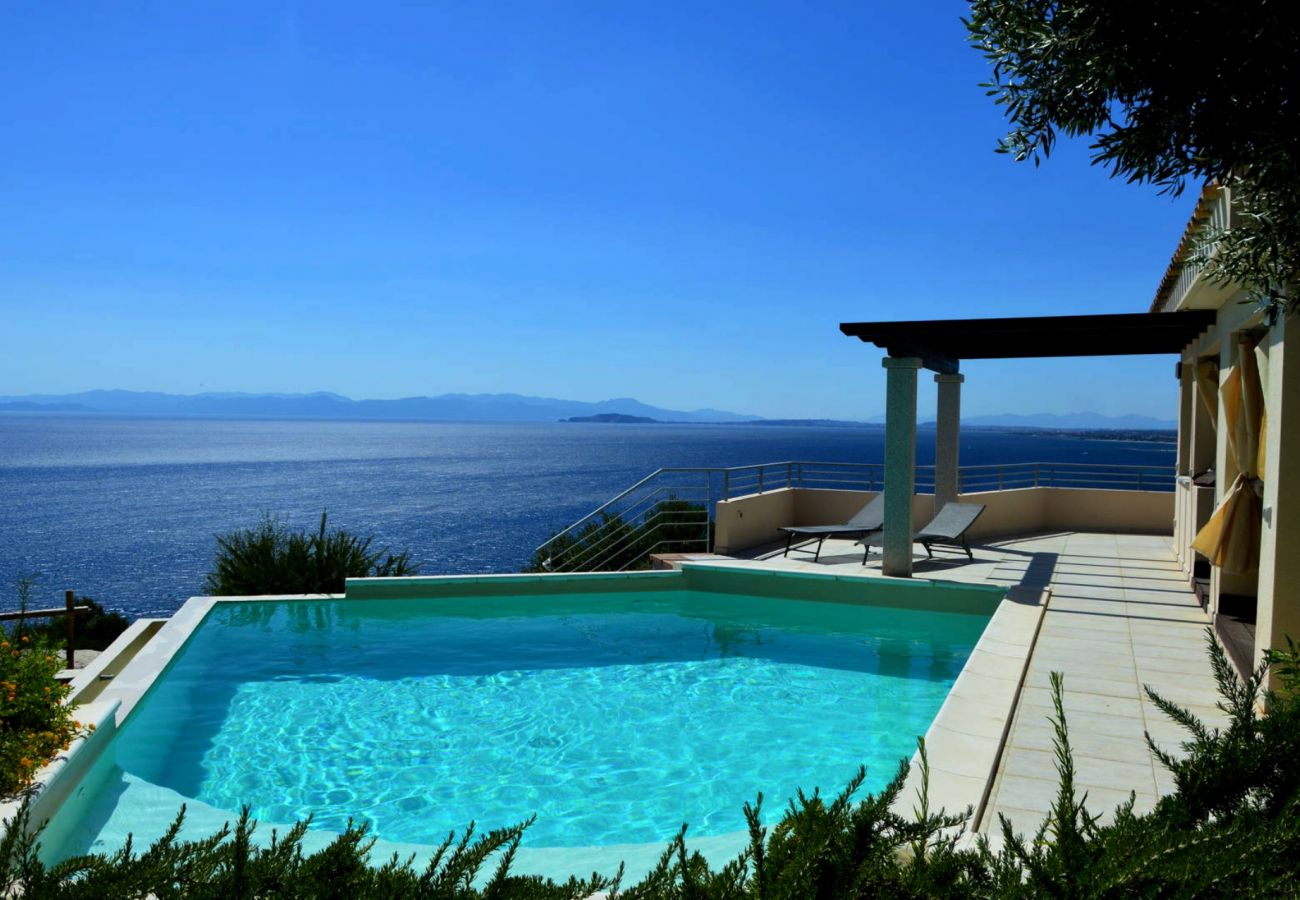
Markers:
(1229, 830)
(270, 559)
(611, 543)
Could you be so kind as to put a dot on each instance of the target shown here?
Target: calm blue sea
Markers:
(125, 509)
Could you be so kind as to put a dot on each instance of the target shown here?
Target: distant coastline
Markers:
(616, 419)
(516, 408)
(1152, 436)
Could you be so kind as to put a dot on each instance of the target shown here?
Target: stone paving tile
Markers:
(1163, 634)
(1036, 694)
(1083, 684)
(1036, 795)
(1071, 589)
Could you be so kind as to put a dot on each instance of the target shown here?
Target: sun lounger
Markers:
(948, 528)
(870, 518)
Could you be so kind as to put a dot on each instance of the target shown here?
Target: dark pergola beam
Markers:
(943, 343)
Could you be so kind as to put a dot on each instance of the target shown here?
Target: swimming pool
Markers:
(614, 708)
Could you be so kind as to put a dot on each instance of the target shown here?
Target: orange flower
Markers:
(25, 763)
(26, 639)
(15, 654)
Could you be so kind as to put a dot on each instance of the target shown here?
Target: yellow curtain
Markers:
(1231, 538)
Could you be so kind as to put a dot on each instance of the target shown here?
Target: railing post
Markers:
(1035, 474)
(70, 601)
(800, 475)
(726, 484)
(708, 511)
(1000, 470)
(1139, 479)
(789, 475)
(760, 479)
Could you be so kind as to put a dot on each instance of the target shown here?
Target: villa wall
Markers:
(754, 520)
(1278, 610)
(1276, 583)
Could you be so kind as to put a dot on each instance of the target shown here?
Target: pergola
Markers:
(941, 345)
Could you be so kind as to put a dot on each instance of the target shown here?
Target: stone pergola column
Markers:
(900, 462)
(946, 438)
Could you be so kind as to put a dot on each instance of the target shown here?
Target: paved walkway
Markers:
(1120, 616)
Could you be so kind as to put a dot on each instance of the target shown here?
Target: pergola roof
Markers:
(942, 343)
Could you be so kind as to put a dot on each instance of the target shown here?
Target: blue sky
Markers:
(677, 202)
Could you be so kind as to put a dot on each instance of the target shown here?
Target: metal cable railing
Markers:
(671, 510)
(1007, 476)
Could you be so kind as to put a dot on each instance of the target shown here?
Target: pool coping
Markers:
(965, 742)
(114, 657)
(962, 749)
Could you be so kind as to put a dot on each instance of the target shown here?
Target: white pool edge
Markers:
(965, 741)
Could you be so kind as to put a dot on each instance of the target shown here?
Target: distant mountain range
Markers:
(486, 408)
(442, 408)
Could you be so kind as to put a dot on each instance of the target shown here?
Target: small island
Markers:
(617, 418)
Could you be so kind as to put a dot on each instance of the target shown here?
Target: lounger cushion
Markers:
(869, 518)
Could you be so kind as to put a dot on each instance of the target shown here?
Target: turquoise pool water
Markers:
(614, 717)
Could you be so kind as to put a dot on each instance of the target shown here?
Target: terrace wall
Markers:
(754, 520)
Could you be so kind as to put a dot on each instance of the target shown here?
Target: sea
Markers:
(126, 510)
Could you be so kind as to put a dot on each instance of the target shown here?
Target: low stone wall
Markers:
(754, 520)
